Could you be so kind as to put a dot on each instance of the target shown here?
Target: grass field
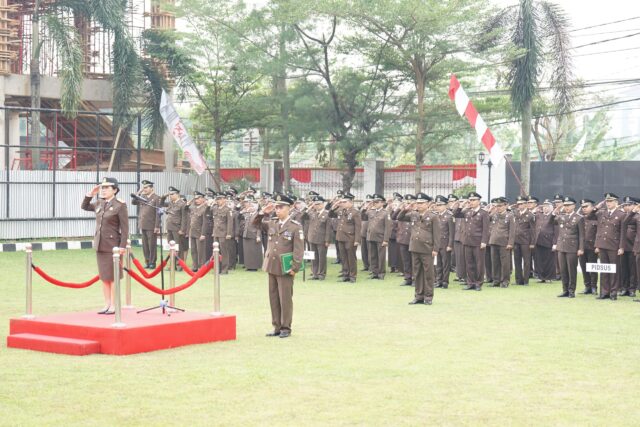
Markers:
(359, 355)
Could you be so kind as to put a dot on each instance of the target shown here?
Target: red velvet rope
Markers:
(153, 273)
(186, 268)
(202, 272)
(57, 282)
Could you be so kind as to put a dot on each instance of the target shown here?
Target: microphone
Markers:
(136, 197)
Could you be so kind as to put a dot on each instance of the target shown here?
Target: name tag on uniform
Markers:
(593, 267)
(309, 255)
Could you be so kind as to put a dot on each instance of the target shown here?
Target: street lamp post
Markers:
(481, 157)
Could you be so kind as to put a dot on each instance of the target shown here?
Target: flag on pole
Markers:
(179, 132)
(465, 108)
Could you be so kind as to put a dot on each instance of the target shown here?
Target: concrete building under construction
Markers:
(86, 142)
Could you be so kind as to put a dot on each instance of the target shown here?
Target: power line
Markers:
(606, 23)
(607, 51)
(606, 40)
(606, 32)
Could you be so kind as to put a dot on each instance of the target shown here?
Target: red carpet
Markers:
(86, 333)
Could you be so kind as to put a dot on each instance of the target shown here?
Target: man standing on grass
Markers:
(148, 222)
(525, 230)
(378, 235)
(424, 245)
(501, 241)
(347, 234)
(569, 245)
(447, 230)
(475, 239)
(286, 240)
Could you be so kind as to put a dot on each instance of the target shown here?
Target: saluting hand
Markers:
(95, 190)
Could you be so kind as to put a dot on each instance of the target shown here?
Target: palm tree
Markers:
(539, 29)
(132, 75)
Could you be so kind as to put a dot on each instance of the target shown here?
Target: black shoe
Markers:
(273, 334)
(587, 291)
(416, 301)
(445, 286)
(346, 279)
(104, 311)
(152, 265)
(352, 280)
(613, 297)
(572, 295)
(478, 288)
(624, 293)
(541, 281)
(110, 312)
(438, 285)
(504, 285)
(468, 288)
(563, 295)
(407, 283)
(428, 302)
(365, 269)
(314, 278)
(336, 262)
(285, 334)
(603, 297)
(496, 285)
(632, 294)
(146, 265)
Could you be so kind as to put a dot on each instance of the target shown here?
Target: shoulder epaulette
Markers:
(120, 200)
(295, 222)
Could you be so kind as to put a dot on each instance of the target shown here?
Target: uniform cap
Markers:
(441, 200)
(313, 193)
(584, 202)
(146, 183)
(339, 192)
(109, 182)
(500, 201)
(378, 197)
(569, 201)
(422, 198)
(558, 198)
(368, 197)
(452, 197)
(409, 197)
(521, 199)
(173, 190)
(548, 202)
(474, 196)
(283, 199)
(611, 196)
(533, 199)
(197, 194)
(348, 196)
(628, 200)
(397, 196)
(318, 198)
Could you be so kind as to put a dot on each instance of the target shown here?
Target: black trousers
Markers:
(522, 260)
(609, 282)
(474, 258)
(590, 279)
(443, 269)
(568, 270)
(628, 274)
(501, 264)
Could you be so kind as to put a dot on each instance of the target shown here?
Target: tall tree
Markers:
(424, 41)
(540, 30)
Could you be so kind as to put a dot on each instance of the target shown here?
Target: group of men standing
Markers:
(481, 243)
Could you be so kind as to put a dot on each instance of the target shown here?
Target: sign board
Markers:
(309, 255)
(593, 267)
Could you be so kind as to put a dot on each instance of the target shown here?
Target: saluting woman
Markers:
(112, 230)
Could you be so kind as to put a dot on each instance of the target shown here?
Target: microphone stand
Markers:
(163, 304)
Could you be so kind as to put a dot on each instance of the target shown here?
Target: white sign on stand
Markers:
(309, 255)
(593, 267)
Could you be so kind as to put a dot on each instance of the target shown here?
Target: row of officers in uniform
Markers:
(419, 237)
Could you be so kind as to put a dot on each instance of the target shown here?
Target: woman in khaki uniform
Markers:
(112, 230)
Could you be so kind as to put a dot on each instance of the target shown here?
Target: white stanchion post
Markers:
(216, 280)
(172, 272)
(116, 284)
(127, 279)
(29, 281)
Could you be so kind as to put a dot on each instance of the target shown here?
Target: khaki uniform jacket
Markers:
(525, 227)
(636, 242)
(380, 225)
(349, 225)
(503, 230)
(148, 218)
(112, 223)
(283, 239)
(197, 214)
(590, 230)
(609, 233)
(222, 222)
(476, 226)
(425, 231)
(570, 233)
(175, 214)
(319, 227)
(404, 231)
(447, 229)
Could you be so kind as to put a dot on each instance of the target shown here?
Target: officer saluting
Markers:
(176, 220)
(148, 222)
(424, 245)
(570, 245)
(285, 237)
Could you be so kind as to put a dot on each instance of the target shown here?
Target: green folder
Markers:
(287, 260)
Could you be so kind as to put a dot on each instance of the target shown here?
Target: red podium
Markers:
(88, 333)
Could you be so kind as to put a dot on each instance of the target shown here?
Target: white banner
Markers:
(593, 267)
(177, 129)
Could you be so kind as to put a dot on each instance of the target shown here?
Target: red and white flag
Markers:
(465, 108)
(180, 134)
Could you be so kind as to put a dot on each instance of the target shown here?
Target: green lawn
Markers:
(358, 355)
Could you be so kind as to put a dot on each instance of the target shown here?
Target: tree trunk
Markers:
(35, 84)
(419, 132)
(350, 173)
(216, 173)
(525, 165)
(284, 109)
(264, 136)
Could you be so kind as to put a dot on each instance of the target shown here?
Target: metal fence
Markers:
(46, 204)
